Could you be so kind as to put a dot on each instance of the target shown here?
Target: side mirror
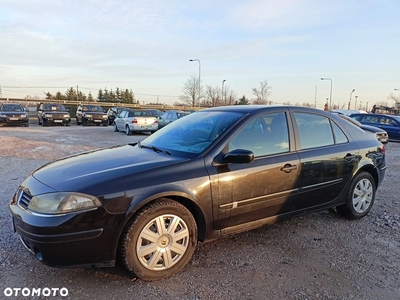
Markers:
(238, 156)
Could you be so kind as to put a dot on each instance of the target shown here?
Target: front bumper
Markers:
(84, 239)
(55, 121)
(15, 121)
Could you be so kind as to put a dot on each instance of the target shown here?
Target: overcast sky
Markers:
(146, 46)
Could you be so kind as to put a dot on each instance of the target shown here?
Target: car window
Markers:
(265, 135)
(340, 137)
(314, 130)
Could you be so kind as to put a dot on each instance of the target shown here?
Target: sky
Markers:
(145, 46)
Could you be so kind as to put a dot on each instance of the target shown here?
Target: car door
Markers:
(262, 189)
(119, 120)
(327, 159)
(390, 125)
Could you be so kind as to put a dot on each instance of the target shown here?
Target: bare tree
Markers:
(262, 93)
(396, 100)
(213, 96)
(230, 97)
(191, 95)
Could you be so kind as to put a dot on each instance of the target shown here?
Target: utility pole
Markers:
(77, 93)
(315, 101)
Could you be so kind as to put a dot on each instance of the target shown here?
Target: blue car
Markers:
(389, 123)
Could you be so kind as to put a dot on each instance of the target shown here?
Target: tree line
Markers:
(121, 96)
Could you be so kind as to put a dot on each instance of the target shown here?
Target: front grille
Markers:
(24, 199)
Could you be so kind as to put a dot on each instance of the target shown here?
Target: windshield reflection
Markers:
(193, 133)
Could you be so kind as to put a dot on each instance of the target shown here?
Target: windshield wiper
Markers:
(155, 149)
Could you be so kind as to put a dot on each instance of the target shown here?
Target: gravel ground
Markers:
(318, 256)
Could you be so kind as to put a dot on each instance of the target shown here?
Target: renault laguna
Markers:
(217, 171)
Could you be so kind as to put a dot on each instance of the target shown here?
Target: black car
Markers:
(91, 114)
(53, 114)
(389, 123)
(112, 113)
(13, 114)
(215, 172)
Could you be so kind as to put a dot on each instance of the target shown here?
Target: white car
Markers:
(135, 120)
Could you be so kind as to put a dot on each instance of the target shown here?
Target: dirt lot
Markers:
(319, 256)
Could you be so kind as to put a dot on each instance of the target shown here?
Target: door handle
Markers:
(288, 168)
(349, 157)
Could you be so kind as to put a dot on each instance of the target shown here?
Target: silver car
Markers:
(135, 120)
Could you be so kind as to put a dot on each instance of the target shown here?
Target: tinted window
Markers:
(263, 136)
(340, 137)
(314, 130)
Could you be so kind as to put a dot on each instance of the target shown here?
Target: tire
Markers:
(128, 130)
(360, 197)
(150, 229)
(115, 127)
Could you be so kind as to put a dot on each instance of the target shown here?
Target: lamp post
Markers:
(355, 102)
(348, 107)
(199, 75)
(330, 99)
(222, 91)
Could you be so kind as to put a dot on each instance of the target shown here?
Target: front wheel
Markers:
(115, 127)
(159, 241)
(360, 197)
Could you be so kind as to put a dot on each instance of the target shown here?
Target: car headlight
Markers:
(66, 116)
(105, 116)
(3, 116)
(47, 116)
(61, 203)
(88, 116)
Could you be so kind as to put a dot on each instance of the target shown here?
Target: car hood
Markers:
(12, 113)
(76, 173)
(94, 113)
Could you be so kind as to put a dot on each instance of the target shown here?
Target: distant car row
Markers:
(14, 114)
(385, 127)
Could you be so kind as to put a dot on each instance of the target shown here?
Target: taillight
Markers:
(155, 121)
(383, 149)
(134, 121)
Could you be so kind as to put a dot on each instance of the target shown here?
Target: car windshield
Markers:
(194, 133)
(54, 107)
(11, 107)
(93, 108)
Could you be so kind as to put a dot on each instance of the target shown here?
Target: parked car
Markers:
(218, 171)
(389, 123)
(170, 116)
(52, 114)
(91, 114)
(381, 135)
(135, 120)
(112, 113)
(13, 114)
(155, 112)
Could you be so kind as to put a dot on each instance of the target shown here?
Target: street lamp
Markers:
(199, 76)
(222, 91)
(330, 99)
(355, 102)
(348, 107)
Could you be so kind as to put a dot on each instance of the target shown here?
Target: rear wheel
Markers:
(360, 197)
(128, 130)
(159, 241)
